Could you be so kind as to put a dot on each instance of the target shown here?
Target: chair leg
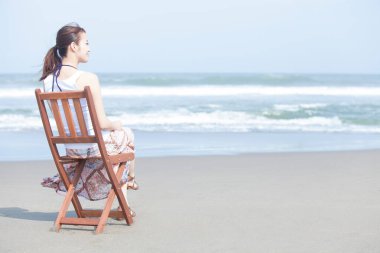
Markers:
(77, 206)
(125, 210)
(121, 198)
(71, 196)
(76, 203)
(106, 212)
(110, 199)
(64, 207)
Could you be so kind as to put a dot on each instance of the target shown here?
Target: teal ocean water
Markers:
(252, 112)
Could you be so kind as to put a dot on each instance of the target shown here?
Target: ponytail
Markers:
(51, 61)
(65, 36)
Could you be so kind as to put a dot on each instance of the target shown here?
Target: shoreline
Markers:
(32, 145)
(216, 156)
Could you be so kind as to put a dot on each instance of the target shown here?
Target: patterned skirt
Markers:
(94, 183)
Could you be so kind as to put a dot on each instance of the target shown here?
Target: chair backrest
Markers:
(56, 101)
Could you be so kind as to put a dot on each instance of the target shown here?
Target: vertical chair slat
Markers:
(57, 117)
(44, 115)
(69, 117)
(79, 112)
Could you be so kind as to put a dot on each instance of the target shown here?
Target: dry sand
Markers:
(287, 202)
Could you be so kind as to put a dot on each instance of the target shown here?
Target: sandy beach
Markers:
(279, 202)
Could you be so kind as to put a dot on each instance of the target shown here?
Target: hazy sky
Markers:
(309, 36)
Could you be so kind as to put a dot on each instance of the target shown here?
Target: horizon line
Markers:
(212, 72)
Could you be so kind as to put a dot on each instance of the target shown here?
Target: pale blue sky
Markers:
(287, 36)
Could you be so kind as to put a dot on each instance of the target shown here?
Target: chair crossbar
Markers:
(78, 139)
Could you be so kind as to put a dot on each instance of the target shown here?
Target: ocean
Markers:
(212, 113)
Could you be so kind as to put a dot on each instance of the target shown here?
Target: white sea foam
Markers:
(18, 122)
(313, 105)
(297, 107)
(184, 120)
(213, 90)
(240, 90)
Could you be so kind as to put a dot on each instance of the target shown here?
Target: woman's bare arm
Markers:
(91, 80)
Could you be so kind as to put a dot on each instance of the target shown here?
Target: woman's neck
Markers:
(71, 62)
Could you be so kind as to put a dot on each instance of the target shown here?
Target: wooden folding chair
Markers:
(96, 218)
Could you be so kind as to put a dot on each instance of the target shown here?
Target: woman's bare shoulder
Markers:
(88, 76)
(87, 79)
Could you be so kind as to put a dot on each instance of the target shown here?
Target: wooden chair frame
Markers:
(96, 218)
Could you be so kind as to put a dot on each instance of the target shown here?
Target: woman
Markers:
(60, 73)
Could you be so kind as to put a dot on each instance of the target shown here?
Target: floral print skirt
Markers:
(94, 183)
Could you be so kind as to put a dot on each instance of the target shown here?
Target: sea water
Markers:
(212, 113)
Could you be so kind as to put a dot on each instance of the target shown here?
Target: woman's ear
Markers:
(73, 46)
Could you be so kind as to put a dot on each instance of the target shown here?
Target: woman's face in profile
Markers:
(83, 48)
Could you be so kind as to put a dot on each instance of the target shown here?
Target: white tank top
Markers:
(69, 84)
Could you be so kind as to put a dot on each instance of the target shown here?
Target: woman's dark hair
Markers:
(65, 36)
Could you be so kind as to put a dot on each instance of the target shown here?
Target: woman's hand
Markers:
(131, 145)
